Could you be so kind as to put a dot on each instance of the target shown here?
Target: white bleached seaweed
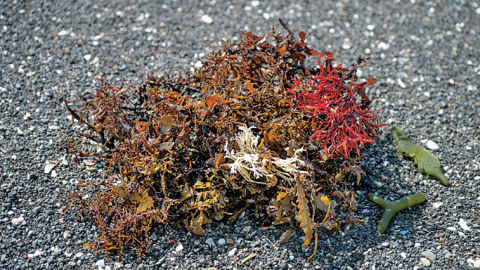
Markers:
(250, 160)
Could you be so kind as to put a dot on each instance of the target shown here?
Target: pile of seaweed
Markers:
(253, 130)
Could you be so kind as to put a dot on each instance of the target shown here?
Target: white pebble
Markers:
(18, 220)
(417, 244)
(232, 252)
(64, 161)
(179, 247)
(437, 204)
(432, 145)
(255, 3)
(477, 10)
(198, 64)
(402, 84)
(87, 57)
(207, 19)
(63, 33)
(100, 264)
(451, 229)
(463, 224)
(266, 16)
(425, 261)
(370, 27)
(404, 255)
(383, 46)
(95, 38)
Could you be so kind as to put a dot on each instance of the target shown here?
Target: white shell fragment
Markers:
(89, 162)
(49, 166)
(36, 254)
(473, 263)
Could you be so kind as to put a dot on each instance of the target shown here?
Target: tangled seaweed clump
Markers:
(253, 130)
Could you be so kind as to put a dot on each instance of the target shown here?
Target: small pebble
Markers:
(450, 256)
(432, 145)
(207, 19)
(429, 255)
(425, 261)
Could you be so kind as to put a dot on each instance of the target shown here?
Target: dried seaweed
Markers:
(234, 135)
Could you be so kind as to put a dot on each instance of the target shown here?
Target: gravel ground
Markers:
(425, 56)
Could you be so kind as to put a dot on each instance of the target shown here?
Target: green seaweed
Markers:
(391, 208)
(426, 161)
